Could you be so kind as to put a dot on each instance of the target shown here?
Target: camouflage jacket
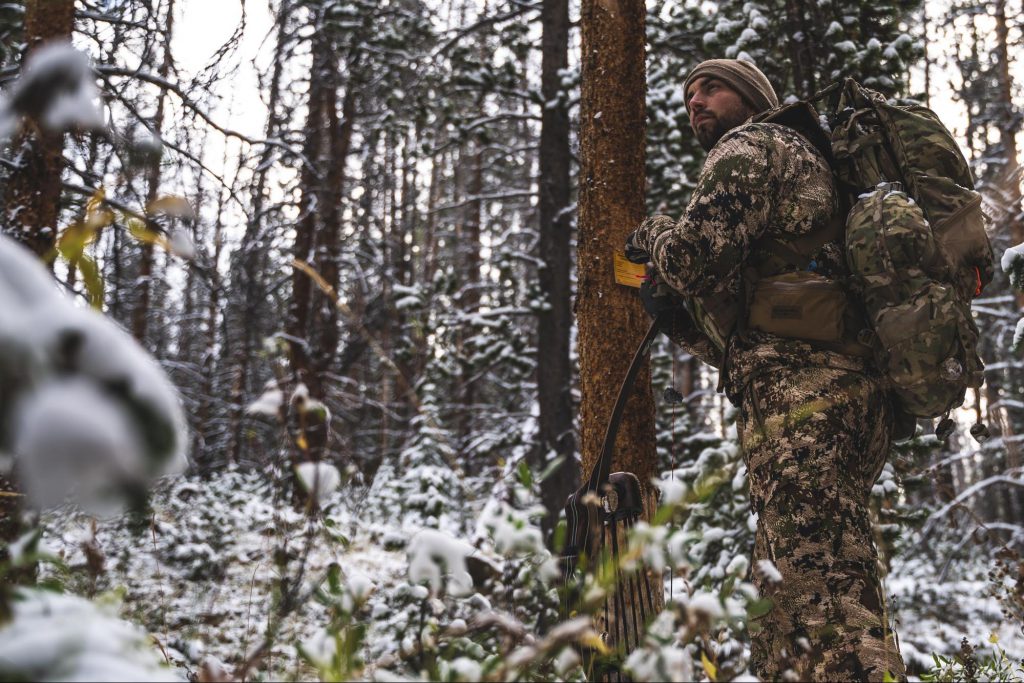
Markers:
(760, 180)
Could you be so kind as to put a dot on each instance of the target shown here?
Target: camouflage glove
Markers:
(656, 295)
(641, 241)
(634, 252)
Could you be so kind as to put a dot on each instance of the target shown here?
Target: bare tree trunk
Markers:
(144, 285)
(1008, 187)
(297, 326)
(1008, 125)
(611, 322)
(32, 198)
(250, 286)
(554, 372)
(469, 302)
(31, 209)
(204, 413)
(313, 320)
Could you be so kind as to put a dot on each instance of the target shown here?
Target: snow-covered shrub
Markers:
(422, 489)
(83, 409)
(204, 568)
(336, 651)
(1012, 264)
(968, 665)
(716, 526)
(55, 637)
(712, 533)
(438, 561)
(481, 611)
(900, 499)
(509, 624)
(57, 87)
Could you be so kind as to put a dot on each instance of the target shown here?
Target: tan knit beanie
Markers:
(741, 76)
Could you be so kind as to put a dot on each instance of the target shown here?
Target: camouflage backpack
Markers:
(915, 245)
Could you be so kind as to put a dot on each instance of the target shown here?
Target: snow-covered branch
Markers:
(970, 492)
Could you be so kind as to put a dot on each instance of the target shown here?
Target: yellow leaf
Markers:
(301, 442)
(709, 668)
(171, 205)
(93, 281)
(94, 220)
(592, 640)
(317, 278)
(96, 200)
(141, 232)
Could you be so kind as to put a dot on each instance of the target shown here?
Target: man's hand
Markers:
(634, 252)
(656, 296)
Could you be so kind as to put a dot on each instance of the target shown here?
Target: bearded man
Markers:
(815, 424)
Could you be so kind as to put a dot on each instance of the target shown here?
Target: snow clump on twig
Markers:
(57, 87)
(83, 408)
(319, 479)
(439, 560)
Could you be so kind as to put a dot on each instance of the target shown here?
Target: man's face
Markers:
(714, 109)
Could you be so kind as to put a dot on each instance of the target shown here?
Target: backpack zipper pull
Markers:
(980, 432)
(945, 428)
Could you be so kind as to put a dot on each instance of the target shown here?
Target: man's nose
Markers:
(696, 103)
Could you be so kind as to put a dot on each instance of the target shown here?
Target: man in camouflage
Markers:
(814, 425)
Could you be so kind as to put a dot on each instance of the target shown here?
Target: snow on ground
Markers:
(200, 570)
(933, 615)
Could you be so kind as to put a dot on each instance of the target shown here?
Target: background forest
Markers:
(367, 309)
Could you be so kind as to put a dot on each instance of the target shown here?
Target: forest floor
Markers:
(201, 572)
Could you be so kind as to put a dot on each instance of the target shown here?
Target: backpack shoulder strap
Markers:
(802, 117)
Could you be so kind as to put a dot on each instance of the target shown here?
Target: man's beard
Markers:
(709, 137)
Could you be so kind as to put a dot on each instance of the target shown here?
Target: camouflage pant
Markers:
(814, 441)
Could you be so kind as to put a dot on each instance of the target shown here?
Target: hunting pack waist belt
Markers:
(807, 306)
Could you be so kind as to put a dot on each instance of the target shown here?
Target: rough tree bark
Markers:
(554, 372)
(610, 319)
(313, 317)
(32, 206)
(297, 326)
(469, 245)
(32, 197)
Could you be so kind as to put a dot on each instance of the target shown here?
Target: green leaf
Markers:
(334, 577)
(759, 608)
(551, 467)
(727, 587)
(561, 531)
(525, 475)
